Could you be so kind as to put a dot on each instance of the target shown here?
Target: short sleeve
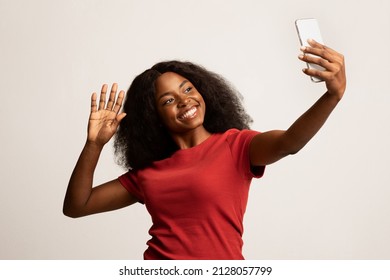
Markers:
(129, 182)
(239, 142)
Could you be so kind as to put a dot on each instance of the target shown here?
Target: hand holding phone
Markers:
(308, 28)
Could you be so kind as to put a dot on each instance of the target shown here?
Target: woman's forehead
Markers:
(169, 81)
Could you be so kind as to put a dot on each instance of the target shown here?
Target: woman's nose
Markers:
(184, 101)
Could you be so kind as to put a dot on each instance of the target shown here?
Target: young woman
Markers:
(185, 138)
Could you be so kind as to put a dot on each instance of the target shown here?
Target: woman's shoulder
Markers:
(236, 136)
(234, 132)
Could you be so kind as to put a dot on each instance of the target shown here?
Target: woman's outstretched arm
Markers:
(271, 146)
(81, 198)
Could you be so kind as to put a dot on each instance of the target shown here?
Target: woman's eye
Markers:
(168, 101)
(188, 90)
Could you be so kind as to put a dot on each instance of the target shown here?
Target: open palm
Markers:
(104, 120)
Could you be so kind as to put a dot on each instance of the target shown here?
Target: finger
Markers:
(111, 100)
(322, 75)
(102, 100)
(314, 73)
(316, 44)
(322, 51)
(93, 102)
(317, 60)
(119, 101)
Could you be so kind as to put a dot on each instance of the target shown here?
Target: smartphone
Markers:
(308, 28)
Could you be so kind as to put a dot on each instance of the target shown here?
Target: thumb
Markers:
(120, 117)
(115, 122)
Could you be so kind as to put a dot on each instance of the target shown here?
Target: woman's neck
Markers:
(191, 138)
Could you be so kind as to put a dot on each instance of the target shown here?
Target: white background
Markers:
(330, 201)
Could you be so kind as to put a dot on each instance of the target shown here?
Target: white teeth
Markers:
(190, 113)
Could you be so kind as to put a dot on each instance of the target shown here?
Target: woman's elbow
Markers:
(293, 151)
(71, 213)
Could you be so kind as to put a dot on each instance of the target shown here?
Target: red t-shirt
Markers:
(197, 198)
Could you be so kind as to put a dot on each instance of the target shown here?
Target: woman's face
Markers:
(179, 104)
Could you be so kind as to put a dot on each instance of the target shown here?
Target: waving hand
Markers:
(104, 120)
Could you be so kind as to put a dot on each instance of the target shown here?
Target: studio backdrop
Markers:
(329, 201)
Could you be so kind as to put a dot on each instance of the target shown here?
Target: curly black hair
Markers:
(142, 139)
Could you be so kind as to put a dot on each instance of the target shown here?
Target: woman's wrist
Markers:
(93, 146)
(334, 96)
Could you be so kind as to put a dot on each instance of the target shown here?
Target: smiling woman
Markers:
(184, 136)
(181, 109)
(136, 145)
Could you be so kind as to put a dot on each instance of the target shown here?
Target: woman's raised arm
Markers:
(81, 198)
(271, 146)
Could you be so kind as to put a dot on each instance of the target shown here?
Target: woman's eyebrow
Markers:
(168, 92)
(183, 83)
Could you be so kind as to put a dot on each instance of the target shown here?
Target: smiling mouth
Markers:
(189, 114)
